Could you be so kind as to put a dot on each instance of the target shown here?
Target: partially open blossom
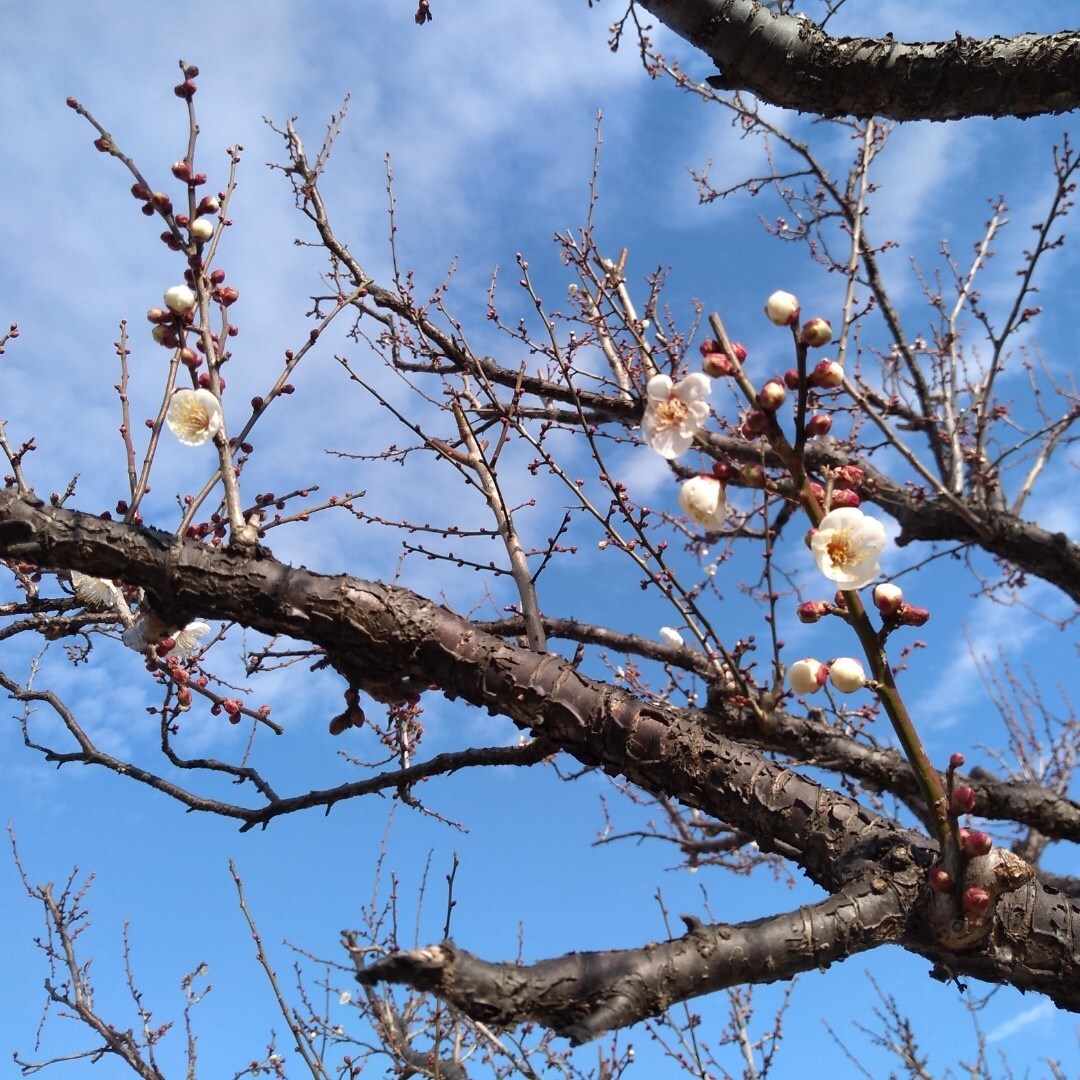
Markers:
(94, 592)
(847, 675)
(675, 413)
(888, 598)
(703, 499)
(827, 375)
(772, 395)
(807, 676)
(846, 546)
(848, 476)
(816, 332)
(188, 640)
(782, 308)
(180, 299)
(194, 416)
(670, 636)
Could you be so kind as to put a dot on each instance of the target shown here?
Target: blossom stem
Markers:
(930, 785)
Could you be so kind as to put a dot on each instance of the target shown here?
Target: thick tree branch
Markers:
(786, 60)
(583, 995)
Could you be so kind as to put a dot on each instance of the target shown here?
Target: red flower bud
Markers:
(716, 364)
(843, 497)
(910, 615)
(975, 844)
(754, 425)
(956, 761)
(791, 379)
(812, 610)
(975, 900)
(819, 424)
(963, 800)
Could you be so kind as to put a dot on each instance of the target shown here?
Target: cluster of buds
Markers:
(715, 362)
(845, 674)
(889, 600)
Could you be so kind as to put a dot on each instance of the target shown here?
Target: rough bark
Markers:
(377, 636)
(786, 60)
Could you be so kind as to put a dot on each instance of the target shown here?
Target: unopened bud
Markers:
(843, 497)
(962, 800)
(940, 880)
(782, 309)
(815, 333)
(807, 676)
(888, 599)
(826, 375)
(956, 761)
(910, 615)
(975, 844)
(772, 395)
(813, 610)
(716, 365)
(819, 424)
(791, 379)
(754, 425)
(847, 675)
(201, 229)
(975, 900)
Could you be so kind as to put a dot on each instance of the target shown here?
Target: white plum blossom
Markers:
(670, 636)
(702, 498)
(189, 640)
(846, 674)
(675, 412)
(95, 592)
(807, 676)
(846, 546)
(194, 416)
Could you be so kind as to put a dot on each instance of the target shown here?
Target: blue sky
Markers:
(488, 116)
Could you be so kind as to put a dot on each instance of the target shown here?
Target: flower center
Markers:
(840, 550)
(672, 412)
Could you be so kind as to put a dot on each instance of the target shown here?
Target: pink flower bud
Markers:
(181, 170)
(844, 497)
(940, 880)
(716, 364)
(819, 424)
(141, 192)
(847, 675)
(956, 761)
(813, 610)
(818, 491)
(975, 844)
(208, 205)
(739, 349)
(709, 346)
(791, 379)
(754, 425)
(772, 395)
(782, 309)
(909, 615)
(815, 333)
(963, 800)
(975, 900)
(827, 375)
(888, 599)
